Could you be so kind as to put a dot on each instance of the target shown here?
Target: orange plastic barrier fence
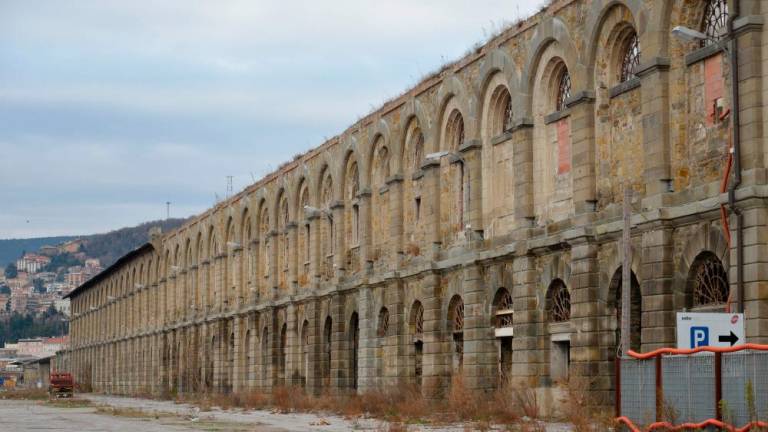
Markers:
(676, 351)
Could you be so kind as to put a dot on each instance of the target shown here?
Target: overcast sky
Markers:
(108, 108)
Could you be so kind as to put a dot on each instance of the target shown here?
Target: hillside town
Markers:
(38, 280)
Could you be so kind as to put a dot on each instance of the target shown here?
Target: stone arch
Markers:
(452, 96)
(558, 302)
(412, 110)
(708, 237)
(497, 69)
(379, 130)
(596, 23)
(551, 30)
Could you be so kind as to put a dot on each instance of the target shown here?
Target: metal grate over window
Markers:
(504, 310)
(715, 21)
(710, 284)
(458, 317)
(631, 59)
(564, 90)
(560, 302)
(419, 320)
(383, 322)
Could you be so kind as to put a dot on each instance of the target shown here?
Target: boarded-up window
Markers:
(713, 88)
(563, 146)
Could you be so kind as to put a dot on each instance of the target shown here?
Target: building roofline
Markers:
(146, 247)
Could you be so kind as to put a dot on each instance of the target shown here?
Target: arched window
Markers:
(283, 354)
(503, 309)
(559, 302)
(563, 89)
(418, 150)
(456, 326)
(709, 281)
(327, 351)
(630, 58)
(327, 231)
(354, 344)
(454, 132)
(635, 311)
(503, 322)
(304, 367)
(417, 331)
(383, 326)
(500, 112)
(714, 24)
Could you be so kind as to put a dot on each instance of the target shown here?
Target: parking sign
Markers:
(709, 329)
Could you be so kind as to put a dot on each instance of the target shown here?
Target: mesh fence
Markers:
(638, 390)
(745, 387)
(689, 388)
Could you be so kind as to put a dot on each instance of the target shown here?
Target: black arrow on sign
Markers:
(732, 338)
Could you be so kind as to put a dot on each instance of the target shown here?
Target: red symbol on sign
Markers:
(734, 319)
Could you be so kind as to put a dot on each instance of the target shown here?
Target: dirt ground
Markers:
(90, 412)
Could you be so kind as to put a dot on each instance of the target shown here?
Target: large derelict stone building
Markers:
(472, 226)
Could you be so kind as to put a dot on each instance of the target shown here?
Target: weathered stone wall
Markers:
(393, 253)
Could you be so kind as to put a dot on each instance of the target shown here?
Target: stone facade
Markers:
(471, 226)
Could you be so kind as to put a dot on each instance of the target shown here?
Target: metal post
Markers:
(626, 272)
(617, 364)
(718, 385)
(659, 390)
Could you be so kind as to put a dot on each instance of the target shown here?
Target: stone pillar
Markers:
(585, 351)
(314, 379)
(396, 216)
(238, 374)
(755, 274)
(274, 269)
(435, 361)
(338, 353)
(234, 269)
(366, 367)
(218, 282)
(473, 158)
(293, 258)
(522, 151)
(291, 345)
(430, 193)
(657, 286)
(315, 257)
(340, 249)
(654, 94)
(582, 118)
(479, 346)
(366, 227)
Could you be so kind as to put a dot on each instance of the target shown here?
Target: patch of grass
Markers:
(27, 394)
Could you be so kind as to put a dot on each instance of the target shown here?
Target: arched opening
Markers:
(380, 203)
(264, 245)
(456, 330)
(327, 230)
(210, 365)
(283, 354)
(247, 362)
(708, 287)
(502, 321)
(304, 237)
(351, 230)
(635, 312)
(304, 367)
(230, 363)
(327, 329)
(283, 252)
(630, 54)
(382, 329)
(416, 327)
(265, 358)
(354, 343)
(499, 112)
(714, 22)
(558, 307)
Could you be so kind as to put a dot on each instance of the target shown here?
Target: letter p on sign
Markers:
(699, 336)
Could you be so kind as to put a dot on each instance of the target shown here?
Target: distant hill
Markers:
(107, 247)
(11, 249)
(110, 246)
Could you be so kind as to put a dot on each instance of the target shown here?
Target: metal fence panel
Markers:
(689, 388)
(743, 371)
(638, 390)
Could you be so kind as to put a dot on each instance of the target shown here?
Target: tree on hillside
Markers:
(5, 289)
(11, 271)
(39, 285)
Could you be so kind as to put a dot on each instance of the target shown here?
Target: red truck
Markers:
(62, 385)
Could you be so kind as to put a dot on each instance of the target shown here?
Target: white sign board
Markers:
(715, 329)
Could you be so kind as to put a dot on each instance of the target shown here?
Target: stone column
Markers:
(522, 152)
(430, 211)
(755, 274)
(234, 268)
(238, 375)
(479, 346)
(582, 118)
(291, 339)
(366, 367)
(366, 227)
(396, 215)
(340, 249)
(471, 152)
(314, 380)
(315, 257)
(219, 288)
(654, 95)
(338, 352)
(255, 272)
(585, 350)
(657, 286)
(435, 361)
(293, 258)
(273, 264)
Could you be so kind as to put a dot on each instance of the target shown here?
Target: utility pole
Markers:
(167, 209)
(626, 272)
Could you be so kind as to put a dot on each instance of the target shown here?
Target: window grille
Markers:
(560, 309)
(631, 59)
(563, 90)
(419, 320)
(504, 310)
(715, 20)
(383, 322)
(710, 283)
